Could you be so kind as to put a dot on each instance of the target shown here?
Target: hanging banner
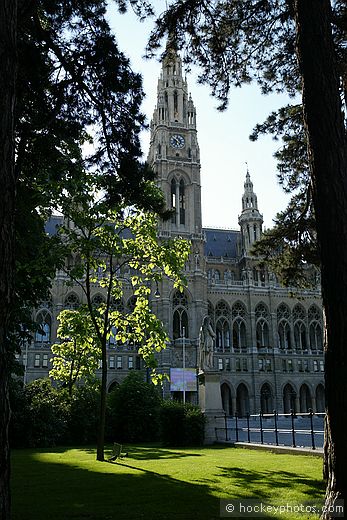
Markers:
(182, 379)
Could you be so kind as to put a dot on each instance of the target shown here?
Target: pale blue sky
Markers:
(223, 137)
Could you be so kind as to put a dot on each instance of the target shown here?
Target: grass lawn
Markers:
(155, 483)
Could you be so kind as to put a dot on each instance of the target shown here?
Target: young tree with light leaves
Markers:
(102, 242)
(77, 354)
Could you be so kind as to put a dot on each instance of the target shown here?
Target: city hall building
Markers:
(269, 339)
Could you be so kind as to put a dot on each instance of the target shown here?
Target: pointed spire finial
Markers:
(248, 177)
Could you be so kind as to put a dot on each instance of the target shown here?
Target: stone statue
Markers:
(206, 339)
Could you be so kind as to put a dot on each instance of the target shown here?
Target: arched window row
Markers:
(304, 400)
(302, 338)
(261, 310)
(300, 401)
(230, 325)
(238, 309)
(233, 336)
(299, 313)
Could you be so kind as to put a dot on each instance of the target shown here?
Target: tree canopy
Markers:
(78, 109)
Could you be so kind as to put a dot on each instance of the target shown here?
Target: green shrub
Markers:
(172, 423)
(84, 414)
(181, 424)
(19, 415)
(133, 411)
(39, 415)
(194, 426)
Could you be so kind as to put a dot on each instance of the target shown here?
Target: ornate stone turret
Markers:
(250, 220)
(174, 151)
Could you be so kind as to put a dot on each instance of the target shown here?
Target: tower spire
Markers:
(250, 220)
(174, 150)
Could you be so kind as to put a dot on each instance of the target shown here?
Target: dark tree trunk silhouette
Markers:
(327, 148)
(8, 34)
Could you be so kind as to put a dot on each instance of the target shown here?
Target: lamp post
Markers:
(184, 363)
(26, 362)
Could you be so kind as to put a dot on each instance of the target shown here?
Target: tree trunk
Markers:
(327, 147)
(102, 416)
(8, 32)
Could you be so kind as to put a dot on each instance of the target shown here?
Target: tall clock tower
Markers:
(174, 156)
(174, 151)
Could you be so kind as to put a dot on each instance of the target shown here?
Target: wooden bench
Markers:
(117, 452)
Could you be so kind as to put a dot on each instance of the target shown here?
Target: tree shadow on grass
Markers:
(60, 491)
(156, 452)
(261, 484)
(145, 452)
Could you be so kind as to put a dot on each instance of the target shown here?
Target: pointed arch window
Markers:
(223, 335)
(266, 400)
(284, 330)
(238, 313)
(300, 335)
(173, 200)
(316, 336)
(262, 329)
(180, 323)
(289, 401)
(180, 315)
(299, 317)
(262, 333)
(175, 98)
(239, 334)
(315, 328)
(284, 338)
(44, 322)
(182, 202)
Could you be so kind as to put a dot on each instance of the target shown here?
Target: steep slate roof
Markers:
(56, 220)
(221, 242)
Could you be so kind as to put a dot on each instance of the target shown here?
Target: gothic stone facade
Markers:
(269, 339)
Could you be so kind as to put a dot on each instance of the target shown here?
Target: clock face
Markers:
(177, 141)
